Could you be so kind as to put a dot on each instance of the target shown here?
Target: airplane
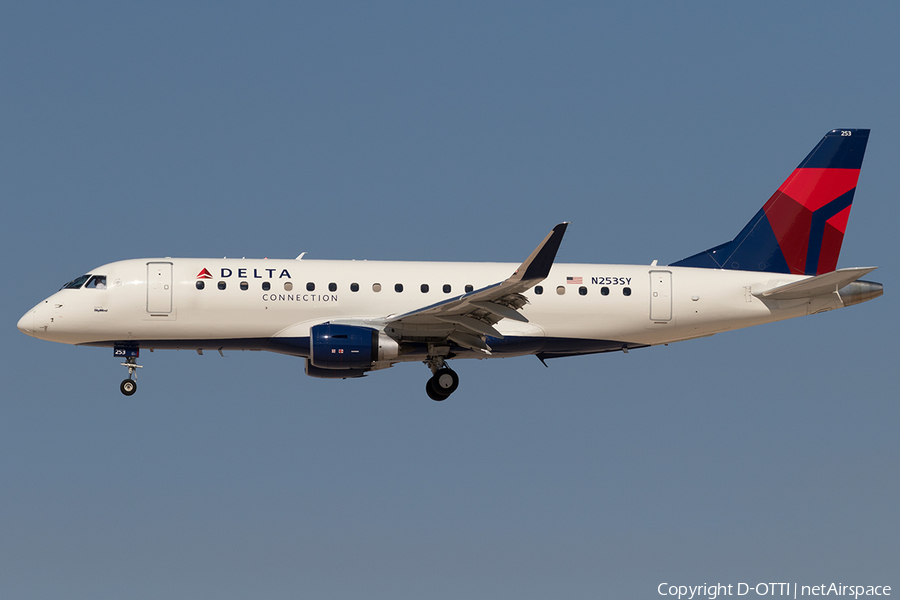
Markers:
(348, 318)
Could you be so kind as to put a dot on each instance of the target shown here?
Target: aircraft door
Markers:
(660, 296)
(159, 287)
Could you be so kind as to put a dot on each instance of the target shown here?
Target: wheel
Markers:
(128, 387)
(442, 384)
(445, 381)
(433, 393)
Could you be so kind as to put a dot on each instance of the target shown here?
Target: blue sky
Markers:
(459, 131)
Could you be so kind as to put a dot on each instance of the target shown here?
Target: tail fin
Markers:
(801, 227)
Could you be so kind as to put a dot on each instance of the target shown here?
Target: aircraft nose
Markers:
(26, 323)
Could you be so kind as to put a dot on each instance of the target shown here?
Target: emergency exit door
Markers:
(159, 287)
(660, 295)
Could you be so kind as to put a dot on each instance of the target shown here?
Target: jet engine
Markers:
(336, 347)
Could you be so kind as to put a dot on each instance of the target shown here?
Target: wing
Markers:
(469, 319)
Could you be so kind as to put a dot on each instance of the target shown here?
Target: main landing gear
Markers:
(443, 382)
(129, 386)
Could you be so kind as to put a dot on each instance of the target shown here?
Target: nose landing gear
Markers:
(129, 386)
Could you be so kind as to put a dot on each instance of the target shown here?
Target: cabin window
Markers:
(424, 288)
(538, 289)
(446, 288)
(245, 286)
(604, 291)
(561, 290)
(398, 287)
(310, 287)
(354, 287)
(332, 287)
(266, 286)
(97, 282)
(626, 291)
(376, 287)
(75, 283)
(288, 286)
(221, 285)
(200, 285)
(582, 290)
(469, 288)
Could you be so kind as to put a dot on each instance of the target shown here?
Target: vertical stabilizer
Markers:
(801, 227)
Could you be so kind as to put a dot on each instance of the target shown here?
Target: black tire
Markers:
(128, 387)
(445, 381)
(433, 393)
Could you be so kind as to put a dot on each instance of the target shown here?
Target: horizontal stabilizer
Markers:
(814, 286)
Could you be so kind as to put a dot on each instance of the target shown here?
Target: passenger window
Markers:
(604, 291)
(582, 290)
(469, 288)
(626, 291)
(376, 287)
(97, 282)
(398, 287)
(424, 288)
(310, 287)
(221, 285)
(561, 290)
(538, 289)
(200, 285)
(354, 287)
(266, 286)
(446, 288)
(332, 287)
(245, 286)
(288, 286)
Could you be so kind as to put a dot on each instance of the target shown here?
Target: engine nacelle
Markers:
(342, 347)
(314, 371)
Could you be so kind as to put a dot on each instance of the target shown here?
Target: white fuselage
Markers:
(156, 303)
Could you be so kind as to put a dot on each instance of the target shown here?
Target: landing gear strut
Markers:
(129, 386)
(443, 382)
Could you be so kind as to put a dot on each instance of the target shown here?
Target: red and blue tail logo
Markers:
(801, 227)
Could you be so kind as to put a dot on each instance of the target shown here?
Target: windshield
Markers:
(76, 283)
(97, 282)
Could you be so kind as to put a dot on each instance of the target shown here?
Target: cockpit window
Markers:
(76, 283)
(97, 282)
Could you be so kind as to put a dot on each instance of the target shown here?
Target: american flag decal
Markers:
(575, 280)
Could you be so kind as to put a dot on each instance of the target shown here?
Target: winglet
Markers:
(537, 266)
